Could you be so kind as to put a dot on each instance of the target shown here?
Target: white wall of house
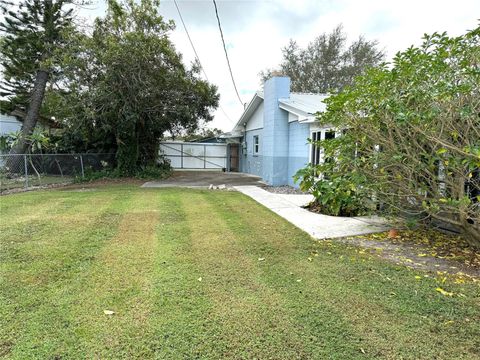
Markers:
(256, 120)
(9, 124)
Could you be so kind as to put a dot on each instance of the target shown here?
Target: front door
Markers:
(234, 158)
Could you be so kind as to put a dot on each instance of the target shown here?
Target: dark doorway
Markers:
(234, 158)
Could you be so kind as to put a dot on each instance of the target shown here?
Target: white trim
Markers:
(322, 131)
(251, 107)
(256, 144)
(301, 115)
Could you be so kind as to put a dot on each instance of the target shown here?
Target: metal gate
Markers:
(190, 155)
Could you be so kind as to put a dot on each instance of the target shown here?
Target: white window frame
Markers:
(256, 144)
(317, 157)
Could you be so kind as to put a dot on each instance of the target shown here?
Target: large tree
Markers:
(33, 37)
(328, 63)
(128, 86)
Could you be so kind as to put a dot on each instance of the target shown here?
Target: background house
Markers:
(274, 130)
(11, 122)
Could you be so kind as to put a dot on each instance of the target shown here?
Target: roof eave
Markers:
(251, 107)
(302, 115)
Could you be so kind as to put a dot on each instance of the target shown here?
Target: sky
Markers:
(256, 31)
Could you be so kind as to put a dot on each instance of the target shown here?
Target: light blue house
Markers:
(12, 122)
(274, 130)
(9, 124)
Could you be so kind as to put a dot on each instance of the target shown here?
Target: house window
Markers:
(256, 145)
(328, 136)
(315, 150)
(316, 154)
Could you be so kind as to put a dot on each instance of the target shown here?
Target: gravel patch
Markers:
(284, 189)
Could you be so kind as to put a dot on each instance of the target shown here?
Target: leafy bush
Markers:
(338, 195)
(160, 171)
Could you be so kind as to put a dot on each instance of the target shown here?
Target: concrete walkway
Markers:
(317, 225)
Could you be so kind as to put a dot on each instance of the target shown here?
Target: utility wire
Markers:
(196, 55)
(226, 54)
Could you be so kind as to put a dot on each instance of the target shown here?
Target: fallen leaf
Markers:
(444, 292)
(298, 280)
(310, 259)
(418, 277)
(108, 312)
(261, 259)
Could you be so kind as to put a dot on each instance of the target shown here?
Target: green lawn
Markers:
(181, 271)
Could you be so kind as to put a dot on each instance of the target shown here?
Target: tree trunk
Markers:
(471, 232)
(15, 163)
(33, 112)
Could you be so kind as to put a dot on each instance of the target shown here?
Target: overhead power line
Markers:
(196, 55)
(226, 53)
(189, 38)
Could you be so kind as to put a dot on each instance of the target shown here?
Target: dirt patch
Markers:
(32, 188)
(87, 186)
(105, 182)
(424, 250)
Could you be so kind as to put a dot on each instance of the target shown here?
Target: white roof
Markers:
(304, 105)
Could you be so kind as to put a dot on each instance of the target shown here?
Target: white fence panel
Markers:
(184, 155)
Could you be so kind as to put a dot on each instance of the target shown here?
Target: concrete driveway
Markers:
(201, 179)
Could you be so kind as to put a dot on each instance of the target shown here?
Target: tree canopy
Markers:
(328, 63)
(128, 85)
(33, 39)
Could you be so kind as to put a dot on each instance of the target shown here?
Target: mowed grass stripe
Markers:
(323, 328)
(120, 281)
(37, 282)
(178, 328)
(248, 319)
(353, 301)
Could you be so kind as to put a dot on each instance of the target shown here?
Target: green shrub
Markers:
(159, 171)
(337, 194)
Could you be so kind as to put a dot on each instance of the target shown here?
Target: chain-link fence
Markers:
(31, 170)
